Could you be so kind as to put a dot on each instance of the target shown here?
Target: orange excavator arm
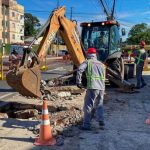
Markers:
(69, 33)
(27, 76)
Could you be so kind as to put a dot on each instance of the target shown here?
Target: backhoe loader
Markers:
(26, 79)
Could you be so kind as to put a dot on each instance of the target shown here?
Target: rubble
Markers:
(64, 94)
(25, 114)
(69, 117)
(63, 122)
(3, 115)
(64, 112)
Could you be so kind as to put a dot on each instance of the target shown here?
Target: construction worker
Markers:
(14, 60)
(140, 56)
(95, 74)
(101, 41)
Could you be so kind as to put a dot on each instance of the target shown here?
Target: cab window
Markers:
(114, 40)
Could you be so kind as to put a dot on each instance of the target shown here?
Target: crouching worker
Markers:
(14, 60)
(95, 74)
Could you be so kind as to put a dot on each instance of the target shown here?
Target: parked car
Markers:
(62, 52)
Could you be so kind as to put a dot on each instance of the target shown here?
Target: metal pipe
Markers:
(105, 10)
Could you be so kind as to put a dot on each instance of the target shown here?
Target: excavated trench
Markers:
(26, 111)
(64, 111)
(22, 110)
(62, 119)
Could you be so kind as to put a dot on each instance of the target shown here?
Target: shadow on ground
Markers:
(30, 140)
(7, 90)
(14, 123)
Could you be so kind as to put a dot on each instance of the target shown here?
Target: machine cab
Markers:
(104, 36)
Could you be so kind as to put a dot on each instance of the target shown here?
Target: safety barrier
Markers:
(44, 65)
(2, 77)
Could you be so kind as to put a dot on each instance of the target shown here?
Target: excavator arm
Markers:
(69, 33)
(26, 79)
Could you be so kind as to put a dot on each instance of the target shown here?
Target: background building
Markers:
(11, 22)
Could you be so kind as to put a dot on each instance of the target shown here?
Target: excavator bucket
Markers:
(26, 81)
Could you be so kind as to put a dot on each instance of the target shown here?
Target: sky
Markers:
(127, 12)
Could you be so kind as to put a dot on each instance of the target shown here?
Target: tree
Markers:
(32, 24)
(138, 33)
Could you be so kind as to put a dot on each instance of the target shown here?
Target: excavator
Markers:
(27, 78)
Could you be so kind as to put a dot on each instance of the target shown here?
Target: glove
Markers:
(79, 85)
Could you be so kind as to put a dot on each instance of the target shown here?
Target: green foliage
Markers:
(6, 49)
(32, 24)
(138, 33)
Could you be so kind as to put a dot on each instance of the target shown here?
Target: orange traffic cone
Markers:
(45, 137)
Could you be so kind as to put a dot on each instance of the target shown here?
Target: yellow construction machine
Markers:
(27, 78)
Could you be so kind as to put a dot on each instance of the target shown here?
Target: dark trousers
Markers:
(139, 77)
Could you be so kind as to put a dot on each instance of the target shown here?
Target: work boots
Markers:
(144, 84)
(101, 125)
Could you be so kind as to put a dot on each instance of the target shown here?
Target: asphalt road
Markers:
(56, 67)
(5, 90)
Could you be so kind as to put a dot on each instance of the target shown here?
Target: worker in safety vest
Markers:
(95, 74)
(140, 56)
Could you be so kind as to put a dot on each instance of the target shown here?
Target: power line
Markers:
(71, 11)
(107, 5)
(36, 11)
(76, 14)
(82, 13)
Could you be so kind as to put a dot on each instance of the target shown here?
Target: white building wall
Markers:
(14, 18)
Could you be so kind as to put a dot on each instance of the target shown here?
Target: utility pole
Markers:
(57, 3)
(57, 42)
(71, 11)
(2, 51)
(4, 28)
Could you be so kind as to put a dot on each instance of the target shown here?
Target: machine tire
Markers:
(126, 72)
(118, 66)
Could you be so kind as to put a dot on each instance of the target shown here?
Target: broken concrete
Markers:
(3, 115)
(26, 114)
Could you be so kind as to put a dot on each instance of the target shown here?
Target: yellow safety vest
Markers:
(90, 76)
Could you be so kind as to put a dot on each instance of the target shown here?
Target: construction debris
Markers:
(64, 94)
(3, 115)
(62, 122)
(66, 118)
(25, 114)
(64, 112)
